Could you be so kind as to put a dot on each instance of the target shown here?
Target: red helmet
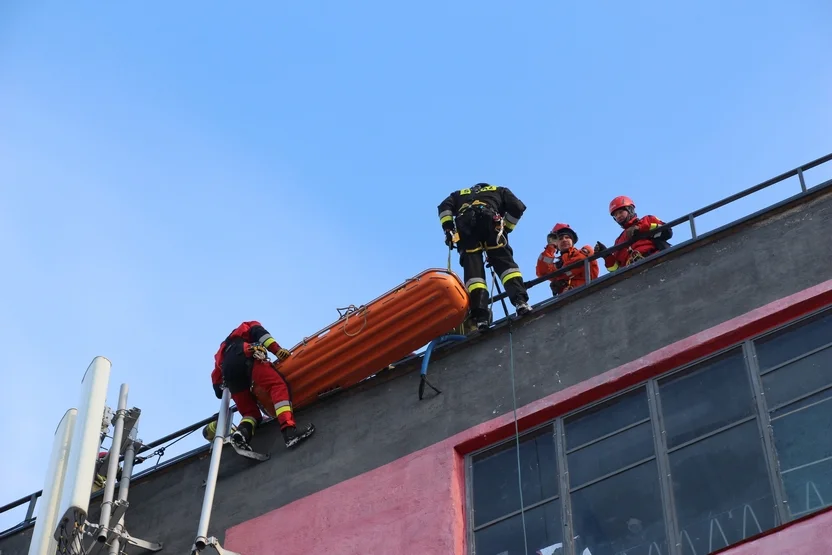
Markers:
(564, 228)
(621, 202)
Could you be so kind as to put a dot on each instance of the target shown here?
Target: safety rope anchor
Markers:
(424, 381)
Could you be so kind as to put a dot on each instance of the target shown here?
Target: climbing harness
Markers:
(634, 256)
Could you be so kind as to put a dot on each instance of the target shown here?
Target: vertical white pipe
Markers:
(112, 465)
(213, 469)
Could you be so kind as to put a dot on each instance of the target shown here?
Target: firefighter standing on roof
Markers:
(242, 360)
(485, 215)
(623, 211)
(562, 239)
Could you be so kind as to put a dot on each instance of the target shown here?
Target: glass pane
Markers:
(611, 454)
(798, 378)
(605, 418)
(794, 341)
(805, 453)
(706, 397)
(544, 533)
(721, 490)
(621, 513)
(495, 485)
(802, 404)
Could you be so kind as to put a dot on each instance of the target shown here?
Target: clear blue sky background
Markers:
(171, 169)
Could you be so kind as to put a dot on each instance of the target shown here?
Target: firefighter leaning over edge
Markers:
(623, 211)
(485, 214)
(242, 360)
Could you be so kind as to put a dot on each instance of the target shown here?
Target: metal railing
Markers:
(688, 219)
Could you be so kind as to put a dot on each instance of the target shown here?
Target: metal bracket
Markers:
(213, 543)
(116, 531)
(130, 419)
(254, 455)
(142, 544)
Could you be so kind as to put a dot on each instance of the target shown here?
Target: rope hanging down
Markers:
(514, 405)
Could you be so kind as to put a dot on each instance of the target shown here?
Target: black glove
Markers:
(599, 246)
(555, 287)
(449, 237)
(218, 390)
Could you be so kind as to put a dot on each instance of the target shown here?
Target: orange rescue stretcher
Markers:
(368, 338)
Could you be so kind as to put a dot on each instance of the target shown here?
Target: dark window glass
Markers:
(606, 418)
(798, 378)
(705, 398)
(721, 489)
(804, 449)
(622, 514)
(794, 341)
(544, 533)
(611, 454)
(495, 484)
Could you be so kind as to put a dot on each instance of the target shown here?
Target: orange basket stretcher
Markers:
(370, 337)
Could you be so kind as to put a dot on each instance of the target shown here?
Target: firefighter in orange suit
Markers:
(562, 239)
(484, 215)
(241, 362)
(623, 211)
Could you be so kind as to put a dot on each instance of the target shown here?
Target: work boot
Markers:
(523, 308)
(292, 436)
(242, 436)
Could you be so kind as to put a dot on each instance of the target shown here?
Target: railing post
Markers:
(30, 511)
(802, 180)
(692, 226)
(587, 276)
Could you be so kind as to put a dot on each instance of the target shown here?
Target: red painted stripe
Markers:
(416, 503)
(649, 366)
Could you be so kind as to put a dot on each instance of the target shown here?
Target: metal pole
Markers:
(692, 227)
(124, 484)
(213, 469)
(587, 273)
(112, 466)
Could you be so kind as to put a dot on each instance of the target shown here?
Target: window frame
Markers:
(761, 413)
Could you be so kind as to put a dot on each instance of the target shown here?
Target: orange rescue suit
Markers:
(546, 264)
(640, 249)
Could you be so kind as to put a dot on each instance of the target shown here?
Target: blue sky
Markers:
(169, 170)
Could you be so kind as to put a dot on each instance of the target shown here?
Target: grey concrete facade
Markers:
(673, 297)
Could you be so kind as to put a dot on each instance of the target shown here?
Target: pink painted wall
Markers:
(412, 505)
(415, 505)
(807, 537)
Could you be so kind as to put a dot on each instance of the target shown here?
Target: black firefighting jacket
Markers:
(499, 199)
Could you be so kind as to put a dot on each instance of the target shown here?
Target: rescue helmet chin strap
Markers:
(629, 221)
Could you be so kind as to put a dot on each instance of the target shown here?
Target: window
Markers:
(710, 455)
(796, 373)
(497, 521)
(717, 466)
(614, 479)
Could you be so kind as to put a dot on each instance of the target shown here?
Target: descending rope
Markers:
(514, 406)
